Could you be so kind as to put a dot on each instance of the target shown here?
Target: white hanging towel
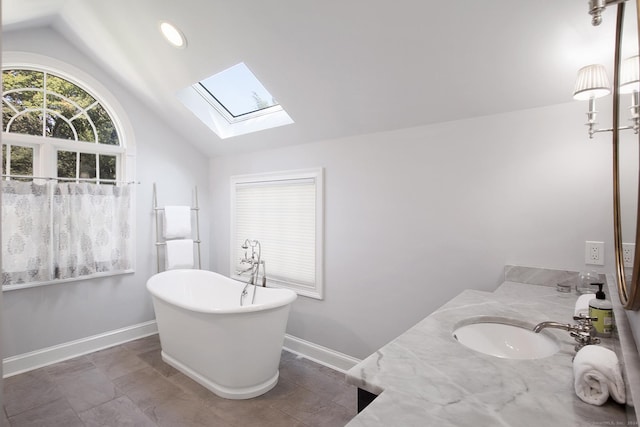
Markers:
(179, 254)
(177, 222)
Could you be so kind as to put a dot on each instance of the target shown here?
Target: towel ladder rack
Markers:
(195, 208)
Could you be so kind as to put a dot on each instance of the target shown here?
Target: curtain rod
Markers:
(49, 178)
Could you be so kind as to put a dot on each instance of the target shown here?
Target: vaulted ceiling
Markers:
(339, 68)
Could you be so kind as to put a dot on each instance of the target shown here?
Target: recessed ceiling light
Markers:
(173, 35)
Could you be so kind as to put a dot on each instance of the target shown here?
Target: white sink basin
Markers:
(506, 341)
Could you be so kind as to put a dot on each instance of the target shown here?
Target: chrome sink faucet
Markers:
(584, 332)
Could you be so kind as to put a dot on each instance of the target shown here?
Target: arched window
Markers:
(66, 200)
(48, 120)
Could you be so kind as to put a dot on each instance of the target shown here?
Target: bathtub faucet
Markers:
(241, 271)
(254, 262)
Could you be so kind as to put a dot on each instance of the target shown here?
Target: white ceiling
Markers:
(339, 68)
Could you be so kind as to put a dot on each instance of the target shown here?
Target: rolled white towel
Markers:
(177, 222)
(582, 305)
(179, 254)
(597, 375)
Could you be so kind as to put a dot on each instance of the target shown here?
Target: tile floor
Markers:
(129, 385)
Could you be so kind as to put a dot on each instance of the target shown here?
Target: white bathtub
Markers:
(232, 350)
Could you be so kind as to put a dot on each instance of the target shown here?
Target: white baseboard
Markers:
(15, 365)
(319, 354)
(36, 359)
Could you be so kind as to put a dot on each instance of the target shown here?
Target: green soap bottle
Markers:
(602, 309)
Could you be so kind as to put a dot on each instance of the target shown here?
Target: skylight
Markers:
(238, 91)
(234, 102)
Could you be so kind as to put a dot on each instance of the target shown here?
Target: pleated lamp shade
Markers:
(592, 82)
(629, 75)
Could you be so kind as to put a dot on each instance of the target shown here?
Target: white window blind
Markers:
(283, 212)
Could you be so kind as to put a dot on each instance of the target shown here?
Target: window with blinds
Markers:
(283, 211)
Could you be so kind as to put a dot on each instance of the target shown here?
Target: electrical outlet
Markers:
(628, 252)
(594, 253)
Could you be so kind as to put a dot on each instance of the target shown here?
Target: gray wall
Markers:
(412, 218)
(415, 216)
(40, 317)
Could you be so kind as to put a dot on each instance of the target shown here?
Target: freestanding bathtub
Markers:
(232, 350)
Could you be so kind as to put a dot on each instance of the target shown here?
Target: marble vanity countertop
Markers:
(425, 377)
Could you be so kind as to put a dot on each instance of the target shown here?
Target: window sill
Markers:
(6, 288)
(310, 291)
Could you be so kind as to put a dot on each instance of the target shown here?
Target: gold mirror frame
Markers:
(629, 292)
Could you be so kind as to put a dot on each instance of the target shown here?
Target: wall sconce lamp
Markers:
(629, 83)
(592, 83)
(597, 7)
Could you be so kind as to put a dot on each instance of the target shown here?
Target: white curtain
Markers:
(26, 232)
(91, 229)
(64, 230)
